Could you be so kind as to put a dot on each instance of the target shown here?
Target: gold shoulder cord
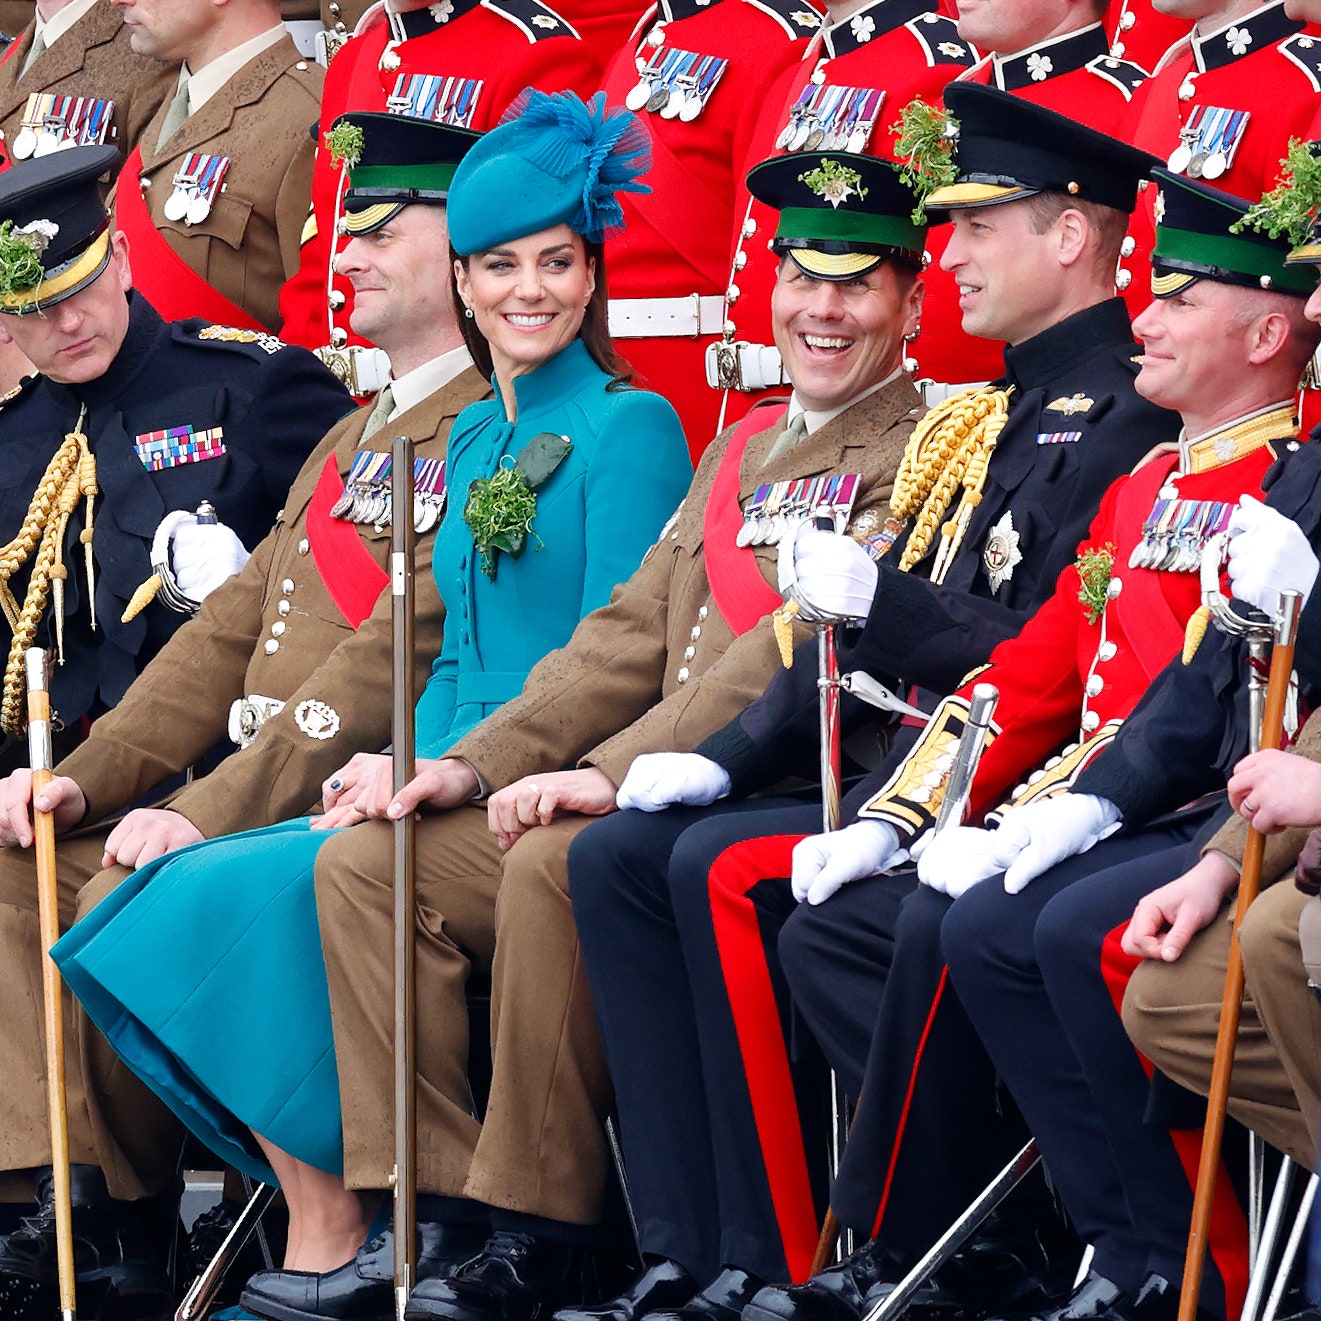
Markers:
(951, 446)
(70, 475)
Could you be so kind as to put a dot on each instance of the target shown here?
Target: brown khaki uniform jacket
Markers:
(245, 641)
(658, 668)
(261, 120)
(92, 58)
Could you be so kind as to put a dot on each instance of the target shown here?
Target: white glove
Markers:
(1035, 837)
(657, 780)
(1268, 554)
(827, 572)
(960, 857)
(204, 555)
(822, 863)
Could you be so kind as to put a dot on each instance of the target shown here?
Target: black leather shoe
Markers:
(722, 1300)
(664, 1284)
(1156, 1300)
(1094, 1298)
(515, 1277)
(361, 1289)
(114, 1265)
(841, 1293)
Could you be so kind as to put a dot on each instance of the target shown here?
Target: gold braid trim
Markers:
(70, 475)
(949, 447)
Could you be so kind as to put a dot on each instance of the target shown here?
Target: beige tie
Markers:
(35, 51)
(176, 114)
(379, 415)
(787, 438)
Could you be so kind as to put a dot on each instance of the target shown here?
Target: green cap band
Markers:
(431, 178)
(1240, 254)
(850, 227)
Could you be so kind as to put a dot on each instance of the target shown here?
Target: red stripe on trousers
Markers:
(761, 1037)
(1228, 1236)
(908, 1100)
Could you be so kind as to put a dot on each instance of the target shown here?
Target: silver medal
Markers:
(1215, 165)
(176, 205)
(25, 143)
(1179, 158)
(198, 209)
(637, 96)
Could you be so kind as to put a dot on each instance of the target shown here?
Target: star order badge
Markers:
(316, 719)
(1002, 555)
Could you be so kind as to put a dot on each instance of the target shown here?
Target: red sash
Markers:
(352, 577)
(160, 275)
(741, 593)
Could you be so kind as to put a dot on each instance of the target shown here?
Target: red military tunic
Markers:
(892, 49)
(1072, 676)
(668, 269)
(1138, 33)
(490, 49)
(1265, 66)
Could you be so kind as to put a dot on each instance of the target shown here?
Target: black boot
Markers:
(115, 1269)
(664, 1284)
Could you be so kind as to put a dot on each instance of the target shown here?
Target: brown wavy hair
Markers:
(595, 331)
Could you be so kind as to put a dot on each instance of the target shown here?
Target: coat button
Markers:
(696, 633)
(338, 338)
(272, 647)
(337, 300)
(278, 628)
(304, 546)
(689, 653)
(284, 607)
(1106, 651)
(1094, 685)
(749, 227)
(1116, 586)
(1090, 721)
(702, 612)
(682, 676)
(740, 260)
(287, 586)
(732, 294)
(301, 66)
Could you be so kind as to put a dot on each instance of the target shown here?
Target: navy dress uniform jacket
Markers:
(271, 403)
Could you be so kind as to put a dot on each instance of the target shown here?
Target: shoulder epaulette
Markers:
(535, 20)
(1123, 74)
(10, 395)
(939, 38)
(1305, 52)
(797, 18)
(234, 337)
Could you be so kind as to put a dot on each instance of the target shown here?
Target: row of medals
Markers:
(664, 86)
(1208, 142)
(777, 508)
(1177, 531)
(831, 119)
(367, 494)
(196, 186)
(43, 131)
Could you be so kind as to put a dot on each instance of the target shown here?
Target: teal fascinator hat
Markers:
(551, 161)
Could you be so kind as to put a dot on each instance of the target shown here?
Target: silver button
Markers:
(284, 607)
(696, 633)
(304, 546)
(1127, 19)
(1106, 651)
(749, 227)
(732, 294)
(278, 628)
(740, 260)
(702, 612)
(682, 676)
(728, 329)
(1090, 721)
(1094, 685)
(689, 653)
(301, 66)
(1123, 279)
(1128, 247)
(272, 647)
(338, 338)
(337, 300)
(1116, 586)
(287, 587)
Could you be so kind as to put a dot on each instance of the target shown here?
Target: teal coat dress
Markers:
(204, 969)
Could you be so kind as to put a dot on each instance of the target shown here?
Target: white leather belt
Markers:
(361, 369)
(248, 714)
(663, 318)
(936, 392)
(744, 366)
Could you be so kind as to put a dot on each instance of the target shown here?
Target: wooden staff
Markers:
(1272, 725)
(405, 989)
(48, 909)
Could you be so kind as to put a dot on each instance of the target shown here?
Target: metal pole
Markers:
(405, 989)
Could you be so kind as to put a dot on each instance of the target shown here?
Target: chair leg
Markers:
(202, 1291)
(1290, 1250)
